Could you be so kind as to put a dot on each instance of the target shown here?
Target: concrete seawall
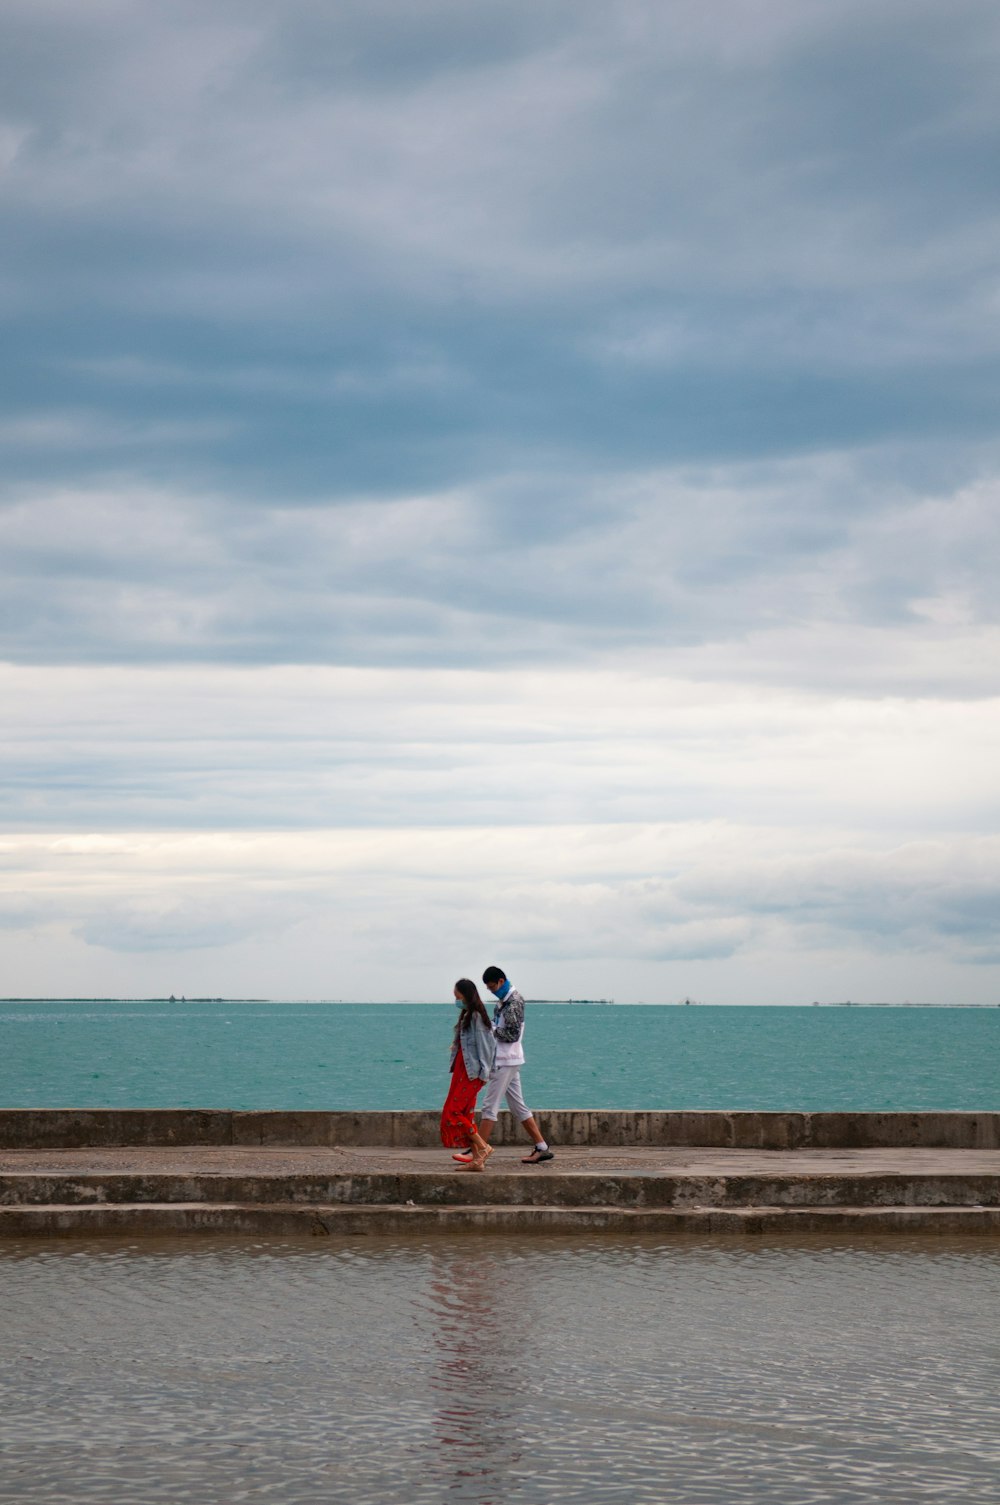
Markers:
(132, 1172)
(272, 1191)
(72, 1128)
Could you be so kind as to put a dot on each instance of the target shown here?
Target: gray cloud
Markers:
(208, 921)
(597, 404)
(919, 896)
(296, 749)
(448, 237)
(697, 892)
(331, 314)
(513, 573)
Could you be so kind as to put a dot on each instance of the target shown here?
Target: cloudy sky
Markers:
(500, 482)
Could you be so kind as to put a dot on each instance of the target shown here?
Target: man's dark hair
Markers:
(494, 974)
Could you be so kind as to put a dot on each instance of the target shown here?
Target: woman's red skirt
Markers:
(457, 1122)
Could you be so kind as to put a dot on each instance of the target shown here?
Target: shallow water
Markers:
(357, 1056)
(539, 1371)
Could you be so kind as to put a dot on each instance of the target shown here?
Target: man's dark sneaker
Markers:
(537, 1156)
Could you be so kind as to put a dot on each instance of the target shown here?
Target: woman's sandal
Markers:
(478, 1162)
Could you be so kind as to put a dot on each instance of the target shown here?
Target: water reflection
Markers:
(476, 1313)
(546, 1372)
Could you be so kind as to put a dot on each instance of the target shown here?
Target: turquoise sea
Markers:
(59, 1053)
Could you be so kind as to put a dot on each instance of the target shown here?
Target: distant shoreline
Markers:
(561, 1002)
(47, 998)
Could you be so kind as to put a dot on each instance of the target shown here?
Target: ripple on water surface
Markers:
(549, 1371)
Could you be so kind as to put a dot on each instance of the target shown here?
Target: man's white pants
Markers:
(505, 1083)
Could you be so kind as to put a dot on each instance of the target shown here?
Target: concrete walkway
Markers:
(290, 1190)
(214, 1160)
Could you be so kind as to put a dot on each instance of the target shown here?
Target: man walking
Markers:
(508, 1027)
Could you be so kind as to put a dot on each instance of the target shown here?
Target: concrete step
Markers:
(532, 1188)
(286, 1220)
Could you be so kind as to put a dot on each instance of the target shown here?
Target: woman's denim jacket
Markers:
(479, 1050)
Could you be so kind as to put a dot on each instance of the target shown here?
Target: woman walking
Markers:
(473, 1053)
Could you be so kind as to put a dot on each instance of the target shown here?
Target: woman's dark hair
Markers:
(472, 1005)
